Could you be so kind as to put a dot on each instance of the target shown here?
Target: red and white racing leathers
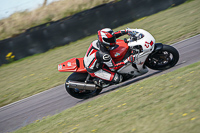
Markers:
(99, 63)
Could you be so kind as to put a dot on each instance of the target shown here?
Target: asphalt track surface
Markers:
(55, 100)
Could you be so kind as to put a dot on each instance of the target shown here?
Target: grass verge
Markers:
(168, 103)
(37, 73)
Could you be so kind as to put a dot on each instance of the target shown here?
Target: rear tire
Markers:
(163, 59)
(80, 94)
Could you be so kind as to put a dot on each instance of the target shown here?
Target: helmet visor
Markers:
(110, 40)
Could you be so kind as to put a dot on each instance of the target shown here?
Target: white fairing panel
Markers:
(147, 43)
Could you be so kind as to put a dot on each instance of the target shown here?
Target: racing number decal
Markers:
(147, 44)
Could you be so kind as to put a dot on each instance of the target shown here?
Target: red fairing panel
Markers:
(81, 67)
(118, 53)
(72, 65)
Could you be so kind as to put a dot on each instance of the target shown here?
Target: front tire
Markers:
(163, 59)
(80, 94)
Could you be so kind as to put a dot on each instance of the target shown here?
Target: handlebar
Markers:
(134, 36)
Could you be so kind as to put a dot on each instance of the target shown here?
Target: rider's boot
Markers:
(99, 82)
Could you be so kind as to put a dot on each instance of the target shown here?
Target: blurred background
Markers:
(9, 7)
(42, 28)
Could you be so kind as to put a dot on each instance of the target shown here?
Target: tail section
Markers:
(72, 65)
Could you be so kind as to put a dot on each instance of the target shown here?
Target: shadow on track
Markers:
(125, 83)
(136, 79)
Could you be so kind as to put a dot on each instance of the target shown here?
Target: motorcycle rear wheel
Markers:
(163, 59)
(80, 94)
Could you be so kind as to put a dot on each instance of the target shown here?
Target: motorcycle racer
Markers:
(98, 61)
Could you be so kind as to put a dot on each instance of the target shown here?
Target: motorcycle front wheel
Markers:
(80, 94)
(163, 59)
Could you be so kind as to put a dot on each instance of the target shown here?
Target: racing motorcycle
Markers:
(141, 44)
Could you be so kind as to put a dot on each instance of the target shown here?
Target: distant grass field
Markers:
(38, 73)
(168, 103)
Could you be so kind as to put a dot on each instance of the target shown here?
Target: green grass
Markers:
(37, 73)
(168, 103)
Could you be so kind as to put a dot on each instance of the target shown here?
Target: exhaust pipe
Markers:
(81, 85)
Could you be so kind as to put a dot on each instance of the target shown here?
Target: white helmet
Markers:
(107, 37)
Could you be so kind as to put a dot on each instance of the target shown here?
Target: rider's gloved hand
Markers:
(132, 34)
(130, 59)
